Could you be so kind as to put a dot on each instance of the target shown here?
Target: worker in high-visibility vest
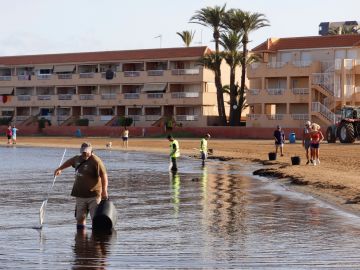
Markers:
(174, 152)
(204, 148)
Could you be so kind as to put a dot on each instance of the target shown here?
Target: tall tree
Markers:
(244, 22)
(231, 42)
(212, 17)
(187, 37)
(344, 30)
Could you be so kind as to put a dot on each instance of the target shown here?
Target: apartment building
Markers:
(303, 78)
(148, 86)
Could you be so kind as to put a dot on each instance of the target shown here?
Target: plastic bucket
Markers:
(105, 216)
(295, 160)
(292, 137)
(272, 156)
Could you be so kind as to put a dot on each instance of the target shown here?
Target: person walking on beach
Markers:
(13, 137)
(91, 182)
(306, 140)
(125, 137)
(316, 138)
(204, 148)
(174, 152)
(9, 134)
(279, 140)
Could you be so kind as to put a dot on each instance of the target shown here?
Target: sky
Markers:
(64, 26)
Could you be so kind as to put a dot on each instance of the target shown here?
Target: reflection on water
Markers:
(91, 249)
(211, 217)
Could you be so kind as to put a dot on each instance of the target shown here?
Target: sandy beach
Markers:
(336, 180)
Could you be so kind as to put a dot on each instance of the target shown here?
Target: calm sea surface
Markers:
(217, 217)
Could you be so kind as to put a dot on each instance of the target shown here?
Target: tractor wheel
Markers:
(331, 134)
(346, 133)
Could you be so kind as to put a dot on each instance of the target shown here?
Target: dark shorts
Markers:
(315, 145)
(307, 144)
(125, 138)
(9, 137)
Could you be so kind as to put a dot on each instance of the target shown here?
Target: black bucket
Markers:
(105, 217)
(295, 160)
(272, 156)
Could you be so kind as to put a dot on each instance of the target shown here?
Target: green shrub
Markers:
(124, 121)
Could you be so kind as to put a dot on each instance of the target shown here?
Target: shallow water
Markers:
(217, 217)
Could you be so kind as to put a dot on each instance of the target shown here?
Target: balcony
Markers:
(301, 64)
(88, 75)
(193, 71)
(253, 116)
(300, 116)
(185, 94)
(155, 72)
(253, 92)
(24, 97)
(132, 73)
(44, 97)
(186, 117)
(108, 96)
(86, 96)
(300, 91)
(276, 91)
(24, 77)
(275, 116)
(276, 64)
(21, 118)
(64, 76)
(90, 117)
(105, 118)
(152, 117)
(63, 117)
(132, 95)
(5, 78)
(65, 96)
(43, 76)
(135, 117)
(155, 95)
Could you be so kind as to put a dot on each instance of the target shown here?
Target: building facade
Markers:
(303, 78)
(150, 86)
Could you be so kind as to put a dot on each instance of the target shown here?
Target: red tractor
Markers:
(348, 128)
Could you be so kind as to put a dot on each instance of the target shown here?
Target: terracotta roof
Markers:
(276, 44)
(105, 56)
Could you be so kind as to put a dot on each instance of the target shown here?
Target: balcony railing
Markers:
(47, 117)
(63, 117)
(275, 116)
(276, 64)
(108, 96)
(132, 95)
(303, 63)
(65, 96)
(135, 117)
(90, 117)
(253, 92)
(185, 94)
(152, 117)
(24, 97)
(24, 77)
(64, 76)
(324, 111)
(21, 118)
(106, 118)
(155, 72)
(155, 95)
(300, 91)
(86, 96)
(43, 76)
(5, 78)
(254, 65)
(253, 116)
(349, 90)
(44, 97)
(131, 73)
(276, 91)
(325, 80)
(193, 71)
(186, 117)
(300, 116)
(87, 75)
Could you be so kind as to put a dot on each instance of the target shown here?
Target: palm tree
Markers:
(344, 30)
(187, 37)
(212, 17)
(245, 23)
(231, 41)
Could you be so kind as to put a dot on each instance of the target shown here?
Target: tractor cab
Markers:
(350, 113)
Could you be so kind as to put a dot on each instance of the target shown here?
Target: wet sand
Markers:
(336, 180)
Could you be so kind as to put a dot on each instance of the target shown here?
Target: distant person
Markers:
(316, 138)
(13, 137)
(204, 148)
(91, 182)
(125, 137)
(174, 152)
(306, 140)
(9, 134)
(279, 140)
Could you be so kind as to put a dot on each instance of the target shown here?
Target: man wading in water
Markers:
(90, 185)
